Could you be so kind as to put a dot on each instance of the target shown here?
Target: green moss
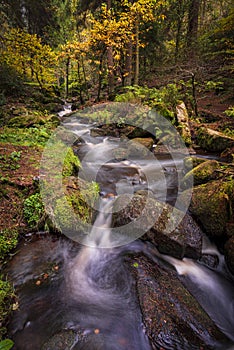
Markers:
(6, 303)
(8, 241)
(71, 163)
(202, 173)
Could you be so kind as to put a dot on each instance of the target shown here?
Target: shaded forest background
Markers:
(92, 49)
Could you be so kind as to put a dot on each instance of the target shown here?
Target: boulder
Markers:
(140, 146)
(167, 228)
(183, 123)
(173, 319)
(202, 173)
(192, 162)
(211, 204)
(229, 254)
(213, 141)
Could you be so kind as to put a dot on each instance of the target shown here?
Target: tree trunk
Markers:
(67, 78)
(193, 24)
(137, 58)
(128, 65)
(110, 61)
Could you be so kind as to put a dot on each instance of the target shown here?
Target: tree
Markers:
(29, 56)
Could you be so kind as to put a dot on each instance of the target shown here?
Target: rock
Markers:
(146, 142)
(140, 146)
(172, 317)
(228, 155)
(229, 254)
(166, 227)
(212, 140)
(192, 162)
(202, 173)
(211, 204)
(183, 123)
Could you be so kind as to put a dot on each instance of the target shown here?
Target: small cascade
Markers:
(212, 290)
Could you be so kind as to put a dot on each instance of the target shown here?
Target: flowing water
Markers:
(81, 297)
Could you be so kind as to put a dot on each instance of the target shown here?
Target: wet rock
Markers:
(192, 162)
(210, 260)
(211, 204)
(166, 227)
(140, 147)
(202, 173)
(64, 340)
(229, 254)
(183, 123)
(228, 155)
(173, 319)
(212, 140)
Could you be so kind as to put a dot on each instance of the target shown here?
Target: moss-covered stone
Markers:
(212, 205)
(71, 163)
(202, 173)
(191, 162)
(166, 227)
(212, 140)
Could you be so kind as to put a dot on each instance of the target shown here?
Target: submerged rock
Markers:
(172, 317)
(166, 227)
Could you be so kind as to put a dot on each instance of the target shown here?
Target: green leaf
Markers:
(6, 344)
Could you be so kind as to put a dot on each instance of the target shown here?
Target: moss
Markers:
(211, 204)
(6, 303)
(202, 173)
(71, 163)
(8, 241)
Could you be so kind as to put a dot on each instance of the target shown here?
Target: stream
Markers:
(83, 296)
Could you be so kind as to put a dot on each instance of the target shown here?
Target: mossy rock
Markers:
(166, 227)
(191, 162)
(71, 163)
(202, 173)
(212, 205)
(212, 140)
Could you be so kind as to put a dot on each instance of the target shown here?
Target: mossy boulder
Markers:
(212, 205)
(166, 227)
(191, 162)
(202, 173)
(173, 319)
(213, 141)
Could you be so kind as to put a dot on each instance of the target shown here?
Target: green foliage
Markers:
(33, 136)
(33, 209)
(6, 344)
(6, 297)
(214, 85)
(8, 241)
(163, 100)
(10, 162)
(230, 112)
